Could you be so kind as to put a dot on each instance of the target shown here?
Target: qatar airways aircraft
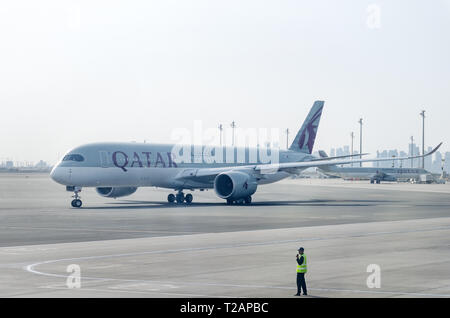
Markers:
(118, 169)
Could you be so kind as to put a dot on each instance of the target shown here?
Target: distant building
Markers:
(415, 152)
(41, 165)
(447, 162)
(344, 151)
(332, 152)
(436, 166)
(24, 166)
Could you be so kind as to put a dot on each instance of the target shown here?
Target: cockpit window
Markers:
(73, 157)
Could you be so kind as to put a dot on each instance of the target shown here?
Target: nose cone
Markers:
(60, 175)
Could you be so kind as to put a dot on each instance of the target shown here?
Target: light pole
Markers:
(360, 140)
(287, 138)
(378, 156)
(423, 138)
(220, 132)
(233, 125)
(351, 148)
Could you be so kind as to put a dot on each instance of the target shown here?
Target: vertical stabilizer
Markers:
(304, 141)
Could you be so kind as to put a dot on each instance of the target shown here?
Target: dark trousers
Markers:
(301, 283)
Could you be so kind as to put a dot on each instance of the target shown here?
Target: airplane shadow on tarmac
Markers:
(132, 204)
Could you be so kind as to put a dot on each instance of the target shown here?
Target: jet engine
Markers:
(115, 192)
(234, 185)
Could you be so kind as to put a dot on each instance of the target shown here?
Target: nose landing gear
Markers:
(76, 202)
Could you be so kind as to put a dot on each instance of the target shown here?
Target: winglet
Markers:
(434, 150)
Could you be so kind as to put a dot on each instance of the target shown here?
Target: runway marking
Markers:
(31, 267)
(192, 249)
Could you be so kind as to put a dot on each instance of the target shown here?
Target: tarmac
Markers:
(142, 246)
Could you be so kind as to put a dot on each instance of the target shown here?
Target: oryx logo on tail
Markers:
(304, 141)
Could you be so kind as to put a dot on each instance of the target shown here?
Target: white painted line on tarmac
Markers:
(31, 268)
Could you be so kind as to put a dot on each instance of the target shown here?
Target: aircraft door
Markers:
(104, 162)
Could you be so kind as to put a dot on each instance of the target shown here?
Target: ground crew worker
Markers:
(301, 271)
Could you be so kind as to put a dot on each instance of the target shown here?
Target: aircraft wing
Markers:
(208, 174)
(337, 157)
(308, 164)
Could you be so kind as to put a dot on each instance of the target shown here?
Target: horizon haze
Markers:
(75, 72)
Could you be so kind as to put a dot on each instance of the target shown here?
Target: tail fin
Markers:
(304, 141)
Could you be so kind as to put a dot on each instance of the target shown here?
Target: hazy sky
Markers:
(73, 72)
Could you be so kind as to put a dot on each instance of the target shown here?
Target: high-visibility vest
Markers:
(302, 268)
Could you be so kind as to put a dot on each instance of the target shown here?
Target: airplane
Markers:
(374, 174)
(119, 169)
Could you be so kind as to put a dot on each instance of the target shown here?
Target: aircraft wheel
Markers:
(188, 198)
(76, 203)
(378, 181)
(229, 202)
(171, 198)
(371, 181)
(180, 198)
(248, 199)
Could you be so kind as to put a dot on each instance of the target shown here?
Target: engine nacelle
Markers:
(115, 192)
(234, 185)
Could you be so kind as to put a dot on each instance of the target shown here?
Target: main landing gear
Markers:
(180, 198)
(247, 200)
(76, 202)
